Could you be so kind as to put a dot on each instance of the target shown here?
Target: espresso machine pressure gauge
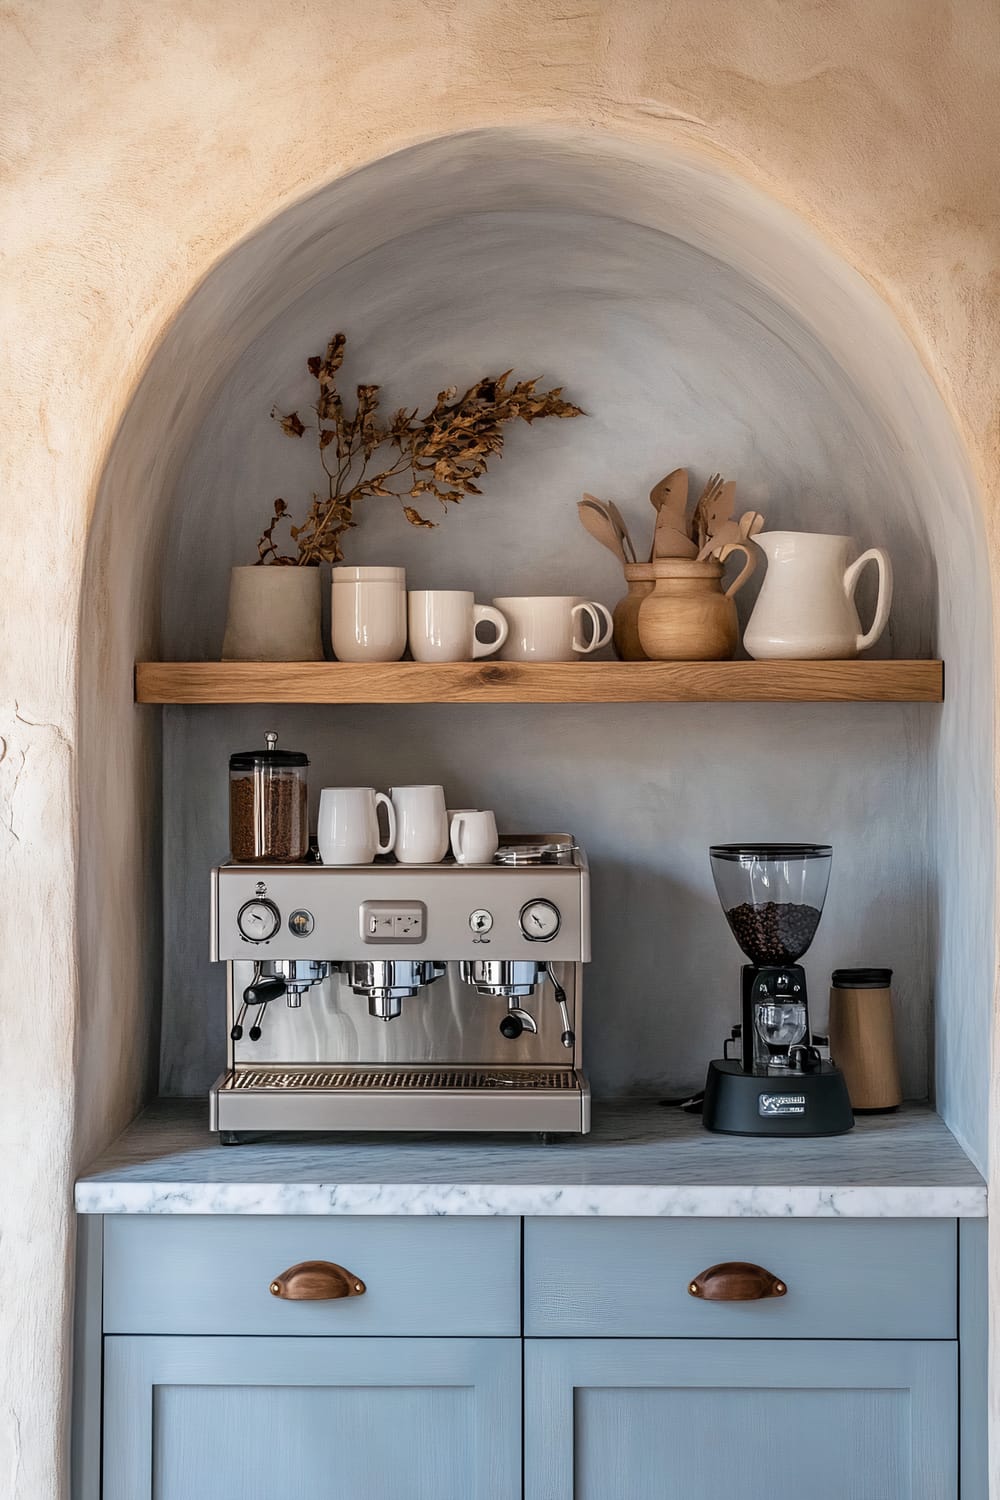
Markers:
(540, 921)
(258, 921)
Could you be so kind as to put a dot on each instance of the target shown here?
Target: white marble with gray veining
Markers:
(640, 1160)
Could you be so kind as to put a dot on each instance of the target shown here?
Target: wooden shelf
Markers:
(542, 682)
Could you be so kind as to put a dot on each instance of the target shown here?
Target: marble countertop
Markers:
(640, 1160)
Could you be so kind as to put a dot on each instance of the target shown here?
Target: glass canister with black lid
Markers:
(268, 805)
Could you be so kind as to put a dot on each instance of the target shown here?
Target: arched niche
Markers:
(697, 322)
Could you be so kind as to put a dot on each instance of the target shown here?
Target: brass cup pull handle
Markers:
(316, 1281)
(736, 1281)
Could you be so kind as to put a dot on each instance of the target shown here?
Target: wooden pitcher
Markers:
(688, 617)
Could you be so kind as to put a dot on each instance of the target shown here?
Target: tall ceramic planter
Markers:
(274, 615)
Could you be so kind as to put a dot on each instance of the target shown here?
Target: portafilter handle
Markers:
(259, 992)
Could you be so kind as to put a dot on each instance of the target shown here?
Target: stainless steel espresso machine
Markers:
(405, 997)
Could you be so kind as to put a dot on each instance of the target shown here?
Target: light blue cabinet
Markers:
(192, 1418)
(751, 1419)
(194, 1381)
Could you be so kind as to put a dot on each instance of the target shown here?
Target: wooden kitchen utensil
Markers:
(623, 532)
(670, 533)
(705, 510)
(595, 519)
(747, 527)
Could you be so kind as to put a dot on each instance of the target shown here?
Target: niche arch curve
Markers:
(595, 199)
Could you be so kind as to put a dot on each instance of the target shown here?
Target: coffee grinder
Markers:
(773, 895)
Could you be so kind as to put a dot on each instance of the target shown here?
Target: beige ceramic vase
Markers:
(274, 614)
(640, 580)
(688, 617)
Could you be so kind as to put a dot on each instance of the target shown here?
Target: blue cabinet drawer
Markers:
(423, 1276)
(629, 1278)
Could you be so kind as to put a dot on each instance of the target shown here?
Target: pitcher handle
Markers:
(751, 563)
(390, 813)
(884, 602)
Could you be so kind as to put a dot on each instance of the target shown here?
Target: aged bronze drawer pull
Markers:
(736, 1281)
(316, 1281)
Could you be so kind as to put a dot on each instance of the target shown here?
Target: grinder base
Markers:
(795, 1104)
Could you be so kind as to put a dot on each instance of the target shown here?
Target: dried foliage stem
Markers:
(441, 454)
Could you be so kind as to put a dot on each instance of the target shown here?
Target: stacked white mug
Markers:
(368, 614)
(347, 828)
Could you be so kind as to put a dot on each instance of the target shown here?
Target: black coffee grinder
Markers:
(773, 895)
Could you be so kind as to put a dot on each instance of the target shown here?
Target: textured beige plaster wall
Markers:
(141, 142)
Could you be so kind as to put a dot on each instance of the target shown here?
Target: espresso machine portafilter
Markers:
(416, 997)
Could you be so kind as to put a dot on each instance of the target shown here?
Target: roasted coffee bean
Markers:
(777, 932)
(276, 830)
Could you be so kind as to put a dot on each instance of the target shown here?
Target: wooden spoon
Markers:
(671, 494)
(624, 535)
(596, 520)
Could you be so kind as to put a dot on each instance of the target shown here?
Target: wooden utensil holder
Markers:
(640, 580)
(686, 616)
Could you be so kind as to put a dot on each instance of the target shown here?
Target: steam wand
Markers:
(568, 1035)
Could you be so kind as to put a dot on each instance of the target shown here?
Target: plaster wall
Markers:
(140, 145)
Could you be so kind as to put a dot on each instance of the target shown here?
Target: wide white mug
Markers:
(368, 614)
(347, 827)
(421, 824)
(474, 838)
(443, 624)
(548, 627)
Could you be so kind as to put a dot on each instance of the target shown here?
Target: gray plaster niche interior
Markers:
(696, 323)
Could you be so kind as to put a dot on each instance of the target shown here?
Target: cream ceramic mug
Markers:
(474, 838)
(443, 625)
(548, 627)
(421, 824)
(368, 614)
(347, 827)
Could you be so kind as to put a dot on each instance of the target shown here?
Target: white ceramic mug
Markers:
(368, 614)
(548, 627)
(443, 624)
(474, 838)
(347, 828)
(421, 824)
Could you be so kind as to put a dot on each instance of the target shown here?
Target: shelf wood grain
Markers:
(541, 682)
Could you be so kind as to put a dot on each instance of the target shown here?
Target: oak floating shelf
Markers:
(541, 682)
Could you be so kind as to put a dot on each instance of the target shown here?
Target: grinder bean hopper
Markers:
(773, 895)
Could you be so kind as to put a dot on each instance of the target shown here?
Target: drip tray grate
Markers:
(404, 1079)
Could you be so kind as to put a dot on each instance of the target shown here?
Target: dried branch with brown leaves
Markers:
(439, 455)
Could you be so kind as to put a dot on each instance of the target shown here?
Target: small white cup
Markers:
(474, 838)
(443, 624)
(368, 614)
(421, 824)
(347, 827)
(547, 627)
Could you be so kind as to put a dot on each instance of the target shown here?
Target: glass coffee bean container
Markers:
(268, 805)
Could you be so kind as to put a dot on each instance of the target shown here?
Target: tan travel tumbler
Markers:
(862, 1041)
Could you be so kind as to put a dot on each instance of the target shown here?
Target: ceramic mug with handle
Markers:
(421, 824)
(474, 838)
(347, 827)
(444, 622)
(550, 627)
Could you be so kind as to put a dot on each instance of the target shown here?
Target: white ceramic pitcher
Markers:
(805, 609)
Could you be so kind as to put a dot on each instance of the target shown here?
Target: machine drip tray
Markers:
(555, 1100)
(404, 1078)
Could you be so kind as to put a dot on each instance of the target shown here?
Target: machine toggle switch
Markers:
(393, 921)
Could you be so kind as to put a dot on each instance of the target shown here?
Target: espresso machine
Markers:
(391, 997)
(781, 1085)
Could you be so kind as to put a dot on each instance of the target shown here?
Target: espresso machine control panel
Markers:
(454, 912)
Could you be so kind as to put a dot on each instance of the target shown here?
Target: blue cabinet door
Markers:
(748, 1419)
(192, 1418)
